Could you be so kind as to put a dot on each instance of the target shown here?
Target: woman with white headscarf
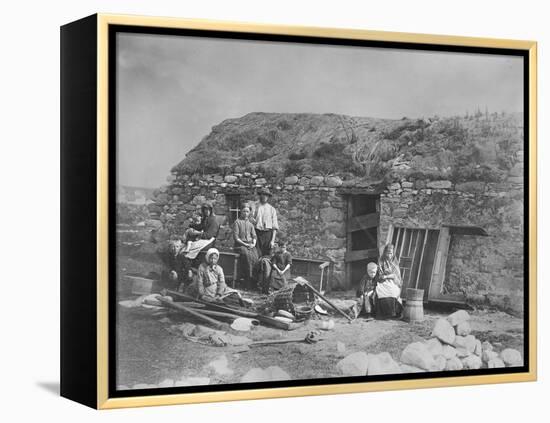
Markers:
(209, 283)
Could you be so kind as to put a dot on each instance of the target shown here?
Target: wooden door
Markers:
(440, 269)
(415, 250)
(362, 235)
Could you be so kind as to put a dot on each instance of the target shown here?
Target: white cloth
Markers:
(387, 289)
(265, 217)
(195, 247)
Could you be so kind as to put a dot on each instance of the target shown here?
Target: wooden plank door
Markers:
(437, 283)
(415, 250)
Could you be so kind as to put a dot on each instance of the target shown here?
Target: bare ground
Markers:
(150, 352)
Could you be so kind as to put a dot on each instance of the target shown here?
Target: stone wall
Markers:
(488, 270)
(312, 214)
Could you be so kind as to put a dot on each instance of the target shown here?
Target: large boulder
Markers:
(467, 343)
(448, 352)
(405, 368)
(355, 364)
(458, 317)
(435, 347)
(382, 364)
(418, 355)
(444, 331)
(511, 357)
(441, 362)
(454, 364)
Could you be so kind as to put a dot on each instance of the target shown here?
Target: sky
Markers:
(171, 90)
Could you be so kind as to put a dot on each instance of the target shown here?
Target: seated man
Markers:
(366, 294)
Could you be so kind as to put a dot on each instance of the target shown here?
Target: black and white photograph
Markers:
(314, 211)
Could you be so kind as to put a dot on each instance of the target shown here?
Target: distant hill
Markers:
(462, 148)
(134, 195)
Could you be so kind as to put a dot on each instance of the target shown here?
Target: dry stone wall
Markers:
(312, 213)
(488, 270)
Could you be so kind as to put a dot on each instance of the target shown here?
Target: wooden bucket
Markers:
(414, 308)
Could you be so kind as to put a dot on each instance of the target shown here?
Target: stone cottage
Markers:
(447, 192)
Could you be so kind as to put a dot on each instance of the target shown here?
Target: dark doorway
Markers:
(362, 235)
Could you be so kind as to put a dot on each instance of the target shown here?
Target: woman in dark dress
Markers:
(244, 236)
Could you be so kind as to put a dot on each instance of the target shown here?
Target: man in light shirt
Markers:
(265, 222)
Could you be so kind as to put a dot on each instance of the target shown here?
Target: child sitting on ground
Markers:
(366, 294)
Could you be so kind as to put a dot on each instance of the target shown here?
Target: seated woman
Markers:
(388, 289)
(280, 267)
(244, 236)
(209, 283)
(207, 233)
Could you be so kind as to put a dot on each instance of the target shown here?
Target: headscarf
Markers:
(388, 266)
(212, 251)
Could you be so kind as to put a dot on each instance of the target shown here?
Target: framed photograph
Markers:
(256, 211)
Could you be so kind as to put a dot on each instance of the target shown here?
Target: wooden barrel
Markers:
(414, 308)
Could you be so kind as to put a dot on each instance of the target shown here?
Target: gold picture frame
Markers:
(98, 26)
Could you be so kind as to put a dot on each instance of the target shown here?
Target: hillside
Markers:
(475, 147)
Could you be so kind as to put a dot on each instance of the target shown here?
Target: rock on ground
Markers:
(276, 373)
(192, 381)
(444, 331)
(488, 356)
(495, 363)
(453, 364)
(472, 362)
(220, 366)
(405, 368)
(465, 342)
(478, 350)
(270, 373)
(418, 355)
(486, 346)
(435, 347)
(382, 364)
(458, 317)
(355, 364)
(463, 328)
(511, 357)
(441, 362)
(255, 375)
(448, 351)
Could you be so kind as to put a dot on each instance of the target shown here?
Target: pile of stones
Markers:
(451, 348)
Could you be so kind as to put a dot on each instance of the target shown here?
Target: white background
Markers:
(30, 209)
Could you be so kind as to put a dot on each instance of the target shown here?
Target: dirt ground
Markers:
(150, 351)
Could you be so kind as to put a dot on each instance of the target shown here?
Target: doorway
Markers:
(363, 218)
